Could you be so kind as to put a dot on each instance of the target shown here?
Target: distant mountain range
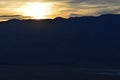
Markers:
(74, 41)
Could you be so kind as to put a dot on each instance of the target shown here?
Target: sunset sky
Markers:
(40, 9)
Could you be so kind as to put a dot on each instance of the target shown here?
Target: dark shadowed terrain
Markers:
(77, 48)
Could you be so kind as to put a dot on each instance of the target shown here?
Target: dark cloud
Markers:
(115, 11)
(10, 16)
(94, 7)
(95, 1)
(75, 15)
(14, 17)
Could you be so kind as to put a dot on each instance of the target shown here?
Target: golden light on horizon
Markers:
(42, 9)
(35, 10)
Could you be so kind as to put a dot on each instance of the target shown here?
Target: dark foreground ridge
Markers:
(79, 48)
(77, 41)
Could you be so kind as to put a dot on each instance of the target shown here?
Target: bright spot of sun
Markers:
(35, 10)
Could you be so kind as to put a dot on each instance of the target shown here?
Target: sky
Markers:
(22, 9)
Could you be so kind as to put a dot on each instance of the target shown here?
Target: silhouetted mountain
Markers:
(76, 41)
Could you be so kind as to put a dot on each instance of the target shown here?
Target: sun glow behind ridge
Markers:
(35, 10)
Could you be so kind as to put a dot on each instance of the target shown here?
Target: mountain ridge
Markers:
(61, 18)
